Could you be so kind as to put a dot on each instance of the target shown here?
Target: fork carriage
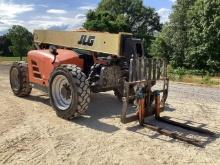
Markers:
(144, 74)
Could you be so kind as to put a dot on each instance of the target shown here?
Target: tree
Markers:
(173, 37)
(179, 25)
(125, 15)
(161, 46)
(5, 43)
(193, 35)
(21, 40)
(204, 36)
(104, 21)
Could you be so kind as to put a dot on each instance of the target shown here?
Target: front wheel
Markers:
(69, 91)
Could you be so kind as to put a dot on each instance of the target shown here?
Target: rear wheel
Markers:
(69, 91)
(19, 79)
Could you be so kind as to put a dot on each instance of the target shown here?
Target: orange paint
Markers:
(40, 64)
(141, 110)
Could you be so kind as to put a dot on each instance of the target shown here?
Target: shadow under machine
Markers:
(70, 65)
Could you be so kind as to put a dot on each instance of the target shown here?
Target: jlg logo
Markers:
(86, 40)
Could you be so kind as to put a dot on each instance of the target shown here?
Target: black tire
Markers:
(79, 91)
(19, 79)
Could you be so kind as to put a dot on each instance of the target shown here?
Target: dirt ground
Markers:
(31, 133)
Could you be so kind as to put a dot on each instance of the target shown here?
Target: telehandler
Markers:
(70, 65)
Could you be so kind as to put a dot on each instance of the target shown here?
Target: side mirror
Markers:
(53, 50)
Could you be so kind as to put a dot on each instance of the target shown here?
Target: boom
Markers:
(92, 41)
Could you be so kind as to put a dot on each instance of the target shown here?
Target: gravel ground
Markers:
(31, 133)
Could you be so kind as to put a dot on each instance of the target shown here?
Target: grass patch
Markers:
(11, 58)
(183, 75)
(205, 80)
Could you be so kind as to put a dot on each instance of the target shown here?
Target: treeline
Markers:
(17, 42)
(191, 39)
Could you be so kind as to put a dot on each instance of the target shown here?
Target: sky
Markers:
(59, 14)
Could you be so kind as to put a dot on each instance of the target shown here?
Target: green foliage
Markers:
(21, 40)
(195, 72)
(206, 79)
(203, 51)
(174, 35)
(160, 47)
(10, 58)
(192, 76)
(125, 16)
(105, 21)
(192, 35)
(180, 72)
(5, 43)
(176, 74)
(171, 74)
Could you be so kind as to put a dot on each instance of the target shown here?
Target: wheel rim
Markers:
(15, 84)
(61, 92)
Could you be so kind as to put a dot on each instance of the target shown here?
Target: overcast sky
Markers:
(59, 14)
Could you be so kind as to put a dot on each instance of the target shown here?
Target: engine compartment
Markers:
(40, 64)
